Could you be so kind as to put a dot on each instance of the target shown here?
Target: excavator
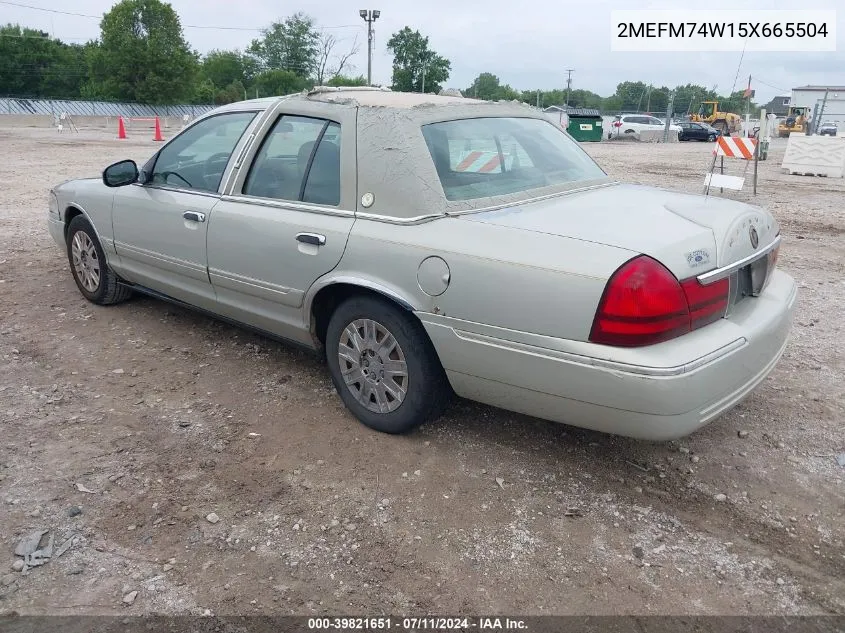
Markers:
(796, 121)
(726, 122)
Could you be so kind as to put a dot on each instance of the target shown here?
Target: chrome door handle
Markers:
(311, 238)
(194, 216)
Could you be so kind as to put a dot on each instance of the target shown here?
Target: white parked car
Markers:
(633, 124)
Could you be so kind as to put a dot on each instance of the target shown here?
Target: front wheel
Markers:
(95, 279)
(384, 366)
(712, 138)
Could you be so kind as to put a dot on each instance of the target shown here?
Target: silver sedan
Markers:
(432, 245)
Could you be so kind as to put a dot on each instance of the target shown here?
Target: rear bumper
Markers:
(706, 372)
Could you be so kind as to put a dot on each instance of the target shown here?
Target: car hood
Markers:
(689, 234)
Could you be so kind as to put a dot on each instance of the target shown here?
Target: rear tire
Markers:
(93, 276)
(383, 365)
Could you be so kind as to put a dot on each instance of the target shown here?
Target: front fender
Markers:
(92, 199)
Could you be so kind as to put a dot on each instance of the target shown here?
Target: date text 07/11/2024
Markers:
(427, 623)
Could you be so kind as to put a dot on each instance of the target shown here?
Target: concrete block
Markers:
(815, 156)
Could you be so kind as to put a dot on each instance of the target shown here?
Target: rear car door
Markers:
(160, 226)
(286, 218)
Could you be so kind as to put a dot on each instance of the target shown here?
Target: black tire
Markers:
(108, 291)
(427, 388)
(711, 138)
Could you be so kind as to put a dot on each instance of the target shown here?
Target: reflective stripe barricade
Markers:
(731, 147)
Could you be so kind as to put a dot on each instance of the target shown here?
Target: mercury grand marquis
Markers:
(435, 245)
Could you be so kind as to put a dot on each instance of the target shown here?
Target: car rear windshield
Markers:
(478, 158)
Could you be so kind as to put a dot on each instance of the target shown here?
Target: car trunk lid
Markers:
(689, 234)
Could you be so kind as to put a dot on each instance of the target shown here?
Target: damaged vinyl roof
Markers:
(386, 98)
(365, 97)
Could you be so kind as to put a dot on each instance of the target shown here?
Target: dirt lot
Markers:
(166, 416)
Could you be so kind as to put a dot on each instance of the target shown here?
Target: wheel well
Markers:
(328, 298)
(70, 213)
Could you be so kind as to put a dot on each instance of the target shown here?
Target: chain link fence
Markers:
(55, 107)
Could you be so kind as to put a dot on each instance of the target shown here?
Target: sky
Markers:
(528, 44)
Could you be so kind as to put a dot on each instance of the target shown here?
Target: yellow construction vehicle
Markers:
(726, 122)
(796, 121)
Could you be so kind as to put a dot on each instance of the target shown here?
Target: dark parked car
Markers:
(827, 129)
(697, 132)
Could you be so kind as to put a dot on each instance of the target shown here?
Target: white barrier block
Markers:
(815, 156)
(724, 182)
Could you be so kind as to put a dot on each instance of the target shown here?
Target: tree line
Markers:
(142, 56)
(630, 96)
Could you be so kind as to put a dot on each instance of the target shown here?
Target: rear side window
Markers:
(478, 158)
(299, 160)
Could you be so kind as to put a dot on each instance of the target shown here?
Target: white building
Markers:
(811, 96)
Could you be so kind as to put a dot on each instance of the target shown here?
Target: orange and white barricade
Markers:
(731, 147)
(735, 147)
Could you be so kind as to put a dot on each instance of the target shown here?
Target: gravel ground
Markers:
(200, 468)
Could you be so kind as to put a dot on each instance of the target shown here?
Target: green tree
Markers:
(415, 65)
(631, 95)
(235, 91)
(584, 99)
(736, 103)
(142, 55)
(486, 86)
(689, 96)
(223, 68)
(292, 45)
(271, 83)
(34, 65)
(342, 81)
(204, 91)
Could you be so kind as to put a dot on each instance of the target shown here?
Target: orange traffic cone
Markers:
(158, 136)
(121, 129)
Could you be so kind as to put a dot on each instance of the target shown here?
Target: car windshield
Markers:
(478, 158)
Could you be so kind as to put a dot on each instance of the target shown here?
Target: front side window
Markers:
(477, 158)
(299, 160)
(197, 158)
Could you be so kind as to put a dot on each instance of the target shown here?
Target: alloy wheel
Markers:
(373, 365)
(85, 261)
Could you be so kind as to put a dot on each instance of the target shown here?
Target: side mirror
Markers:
(120, 174)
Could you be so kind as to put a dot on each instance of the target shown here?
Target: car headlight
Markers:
(54, 204)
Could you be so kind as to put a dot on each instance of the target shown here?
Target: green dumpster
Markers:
(585, 124)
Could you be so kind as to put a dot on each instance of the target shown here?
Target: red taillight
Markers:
(773, 257)
(706, 303)
(644, 303)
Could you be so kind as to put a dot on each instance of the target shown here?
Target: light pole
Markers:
(369, 16)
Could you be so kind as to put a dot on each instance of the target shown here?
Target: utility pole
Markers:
(369, 17)
(669, 112)
(569, 72)
(818, 121)
(538, 98)
(424, 68)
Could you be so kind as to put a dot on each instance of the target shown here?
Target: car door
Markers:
(160, 224)
(286, 218)
(630, 124)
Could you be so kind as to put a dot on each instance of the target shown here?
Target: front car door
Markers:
(160, 223)
(286, 218)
